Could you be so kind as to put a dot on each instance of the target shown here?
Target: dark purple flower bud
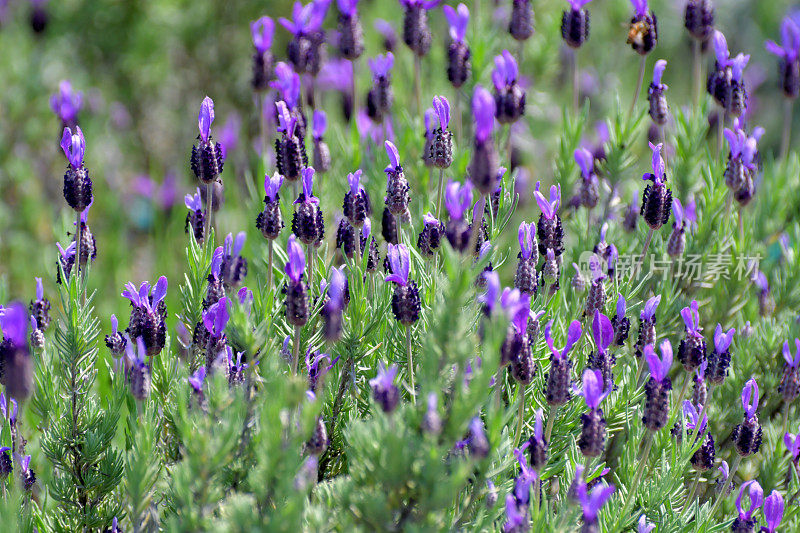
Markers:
(558, 382)
(66, 104)
(509, 97)
(593, 432)
(270, 220)
(380, 96)
(195, 218)
(692, 349)
(26, 472)
(384, 391)
(148, 314)
(789, 66)
(304, 49)
(206, 160)
(575, 24)
(643, 32)
(40, 307)
(351, 34)
(790, 381)
(397, 187)
(659, 109)
(656, 406)
(441, 146)
(457, 200)
(589, 189)
(726, 84)
(430, 237)
(520, 24)
(416, 33)
(746, 436)
(773, 511)
(356, 204)
(262, 31)
(296, 302)
(77, 183)
(698, 18)
(6, 466)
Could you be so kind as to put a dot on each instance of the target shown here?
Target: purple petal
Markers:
(650, 307)
(319, 123)
(297, 259)
(750, 392)
(721, 48)
(205, 118)
(394, 155)
(442, 107)
(14, 323)
(658, 71)
(773, 511)
(160, 291)
(573, 334)
(621, 306)
(592, 387)
(585, 161)
(262, 31)
(483, 110)
(658, 161)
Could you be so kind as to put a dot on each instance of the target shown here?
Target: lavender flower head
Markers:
(527, 239)
(639, 7)
(490, 298)
(400, 261)
(307, 196)
(723, 339)
(381, 65)
(789, 49)
(66, 103)
(592, 502)
(659, 367)
(287, 83)
(573, 334)
(693, 421)
(384, 390)
(505, 71)
(603, 331)
(442, 107)
(649, 311)
(549, 208)
(458, 19)
(74, 146)
(296, 264)
(262, 31)
(756, 496)
(458, 199)
(592, 390)
(319, 124)
(773, 511)
(272, 185)
(483, 113)
(750, 398)
(215, 319)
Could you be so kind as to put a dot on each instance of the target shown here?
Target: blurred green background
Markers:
(144, 66)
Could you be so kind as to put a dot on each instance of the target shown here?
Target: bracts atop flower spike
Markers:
(290, 150)
(657, 197)
(602, 359)
(659, 110)
(745, 521)
(397, 187)
(356, 206)
(549, 228)
(308, 223)
(643, 31)
(485, 162)
(442, 143)
(509, 97)
(195, 218)
(746, 436)
(526, 278)
(719, 360)
(647, 325)
(458, 52)
(406, 303)
(620, 322)
(304, 49)
(77, 183)
(148, 314)
(262, 31)
(380, 97)
(788, 52)
(790, 381)
(206, 160)
(575, 23)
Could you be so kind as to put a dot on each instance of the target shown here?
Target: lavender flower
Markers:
(430, 237)
(575, 23)
(356, 206)
(698, 19)
(719, 359)
(40, 307)
(549, 228)
(16, 367)
(66, 260)
(66, 103)
(406, 303)
(380, 96)
(233, 267)
(788, 52)
(526, 279)
(397, 187)
(517, 520)
(477, 442)
(387, 32)
(557, 389)
(262, 31)
(592, 502)
(593, 432)
(643, 526)
(490, 298)
(457, 200)
(384, 391)
(115, 342)
(656, 407)
(304, 49)
(137, 373)
(322, 153)
(620, 322)
(308, 223)
(520, 24)
(509, 97)
(773, 511)
(290, 151)
(416, 33)
(703, 458)
(536, 444)
(441, 149)
(195, 218)
(742, 162)
(745, 520)
(485, 162)
(792, 443)
(657, 197)
(726, 84)
(148, 314)
(270, 220)
(643, 32)
(747, 435)
(602, 359)
(685, 218)
(351, 34)
(458, 53)
(589, 192)
(655, 95)
(692, 349)
(332, 310)
(77, 183)
(790, 381)
(296, 301)
(206, 160)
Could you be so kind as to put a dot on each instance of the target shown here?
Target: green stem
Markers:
(296, 349)
(724, 490)
(271, 254)
(550, 421)
(439, 195)
(697, 71)
(683, 391)
(520, 415)
(692, 492)
(410, 365)
(648, 437)
(418, 82)
(642, 66)
(787, 129)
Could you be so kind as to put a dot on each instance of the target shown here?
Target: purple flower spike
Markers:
(272, 185)
(205, 118)
(459, 20)
(640, 7)
(515, 519)
(194, 201)
(549, 208)
(573, 334)
(490, 297)
(603, 331)
(756, 496)
(319, 124)
(308, 187)
(723, 340)
(750, 398)
(773, 511)
(215, 319)
(385, 377)
(506, 70)
(790, 40)
(658, 162)
(658, 71)
(592, 502)
(621, 307)
(74, 146)
(483, 108)
(287, 83)
(262, 31)
(724, 470)
(400, 260)
(442, 107)
(457, 199)
(592, 390)
(659, 368)
(585, 161)
(787, 353)
(650, 307)
(354, 180)
(14, 323)
(381, 65)
(297, 260)
(216, 260)
(394, 157)
(527, 232)
(347, 7)
(643, 526)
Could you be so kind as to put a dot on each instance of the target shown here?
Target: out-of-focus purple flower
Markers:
(458, 199)
(640, 7)
(621, 306)
(229, 134)
(658, 72)
(685, 215)
(602, 330)
(693, 417)
(442, 107)
(643, 526)
(74, 146)
(650, 307)
(381, 65)
(750, 398)
(9, 409)
(14, 323)
(515, 520)
(573, 334)
(387, 32)
(793, 362)
(297, 260)
(400, 260)
(193, 202)
(773, 511)
(585, 161)
(197, 379)
(215, 319)
(755, 495)
(549, 208)
(287, 83)
(66, 103)
(789, 49)
(505, 71)
(483, 110)
(592, 390)
(205, 118)
(458, 19)
(526, 478)
(272, 185)
(490, 298)
(337, 75)
(262, 31)
(723, 340)
(319, 124)
(592, 502)
(659, 368)
(792, 443)
(425, 4)
(306, 19)
(347, 7)
(142, 298)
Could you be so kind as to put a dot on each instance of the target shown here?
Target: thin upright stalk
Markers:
(459, 133)
(575, 83)
(263, 124)
(787, 128)
(638, 265)
(78, 239)
(271, 256)
(648, 438)
(310, 261)
(550, 421)
(520, 415)
(439, 195)
(692, 492)
(721, 120)
(353, 92)
(724, 489)
(696, 53)
(683, 390)
(642, 66)
(418, 82)
(786, 408)
(410, 365)
(741, 223)
(399, 231)
(209, 197)
(295, 348)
